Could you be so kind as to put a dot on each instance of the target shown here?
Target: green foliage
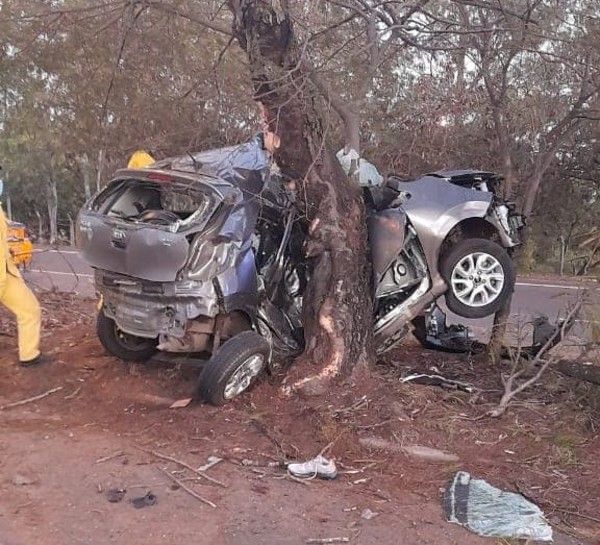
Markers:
(527, 262)
(84, 85)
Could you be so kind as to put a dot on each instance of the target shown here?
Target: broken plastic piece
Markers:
(368, 175)
(433, 332)
(144, 501)
(211, 461)
(317, 467)
(367, 514)
(490, 512)
(115, 495)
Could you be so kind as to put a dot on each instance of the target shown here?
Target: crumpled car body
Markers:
(192, 251)
(173, 243)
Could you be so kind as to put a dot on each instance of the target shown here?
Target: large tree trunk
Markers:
(338, 304)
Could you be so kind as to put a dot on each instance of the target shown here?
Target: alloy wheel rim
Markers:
(241, 379)
(477, 279)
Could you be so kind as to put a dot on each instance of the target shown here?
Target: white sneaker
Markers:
(317, 467)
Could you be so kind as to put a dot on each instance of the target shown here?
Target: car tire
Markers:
(122, 345)
(480, 276)
(233, 368)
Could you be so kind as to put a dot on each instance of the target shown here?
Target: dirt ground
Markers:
(62, 454)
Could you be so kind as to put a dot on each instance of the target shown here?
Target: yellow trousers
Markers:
(18, 298)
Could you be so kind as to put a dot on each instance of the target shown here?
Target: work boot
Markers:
(38, 360)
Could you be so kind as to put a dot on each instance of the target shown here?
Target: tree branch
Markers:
(175, 10)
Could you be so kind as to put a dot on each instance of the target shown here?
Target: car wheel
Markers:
(480, 276)
(233, 368)
(120, 344)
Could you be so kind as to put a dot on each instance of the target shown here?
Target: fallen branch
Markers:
(110, 457)
(182, 464)
(329, 540)
(30, 399)
(576, 514)
(187, 489)
(510, 390)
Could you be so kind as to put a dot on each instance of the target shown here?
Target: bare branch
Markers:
(509, 391)
(175, 10)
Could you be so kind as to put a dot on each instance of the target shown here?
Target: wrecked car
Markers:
(203, 254)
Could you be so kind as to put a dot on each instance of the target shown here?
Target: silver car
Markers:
(202, 256)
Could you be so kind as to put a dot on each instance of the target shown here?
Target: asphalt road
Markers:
(65, 271)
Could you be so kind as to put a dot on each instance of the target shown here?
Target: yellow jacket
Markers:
(6, 263)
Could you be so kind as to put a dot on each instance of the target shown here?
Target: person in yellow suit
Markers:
(140, 159)
(18, 298)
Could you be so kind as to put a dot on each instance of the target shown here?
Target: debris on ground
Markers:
(319, 467)
(329, 540)
(115, 495)
(30, 399)
(180, 403)
(429, 454)
(187, 489)
(210, 462)
(367, 514)
(110, 457)
(415, 451)
(20, 479)
(144, 501)
(439, 380)
(491, 512)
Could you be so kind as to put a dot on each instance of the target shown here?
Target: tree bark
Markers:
(499, 331)
(338, 301)
(52, 210)
(87, 174)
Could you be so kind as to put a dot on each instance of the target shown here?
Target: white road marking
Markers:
(53, 251)
(555, 286)
(61, 273)
(522, 284)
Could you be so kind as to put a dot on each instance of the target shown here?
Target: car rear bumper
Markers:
(149, 309)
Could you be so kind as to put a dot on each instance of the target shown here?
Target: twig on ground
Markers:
(510, 388)
(110, 457)
(355, 406)
(71, 396)
(30, 399)
(182, 464)
(305, 482)
(262, 428)
(379, 424)
(187, 489)
(329, 446)
(142, 431)
(329, 540)
(577, 514)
